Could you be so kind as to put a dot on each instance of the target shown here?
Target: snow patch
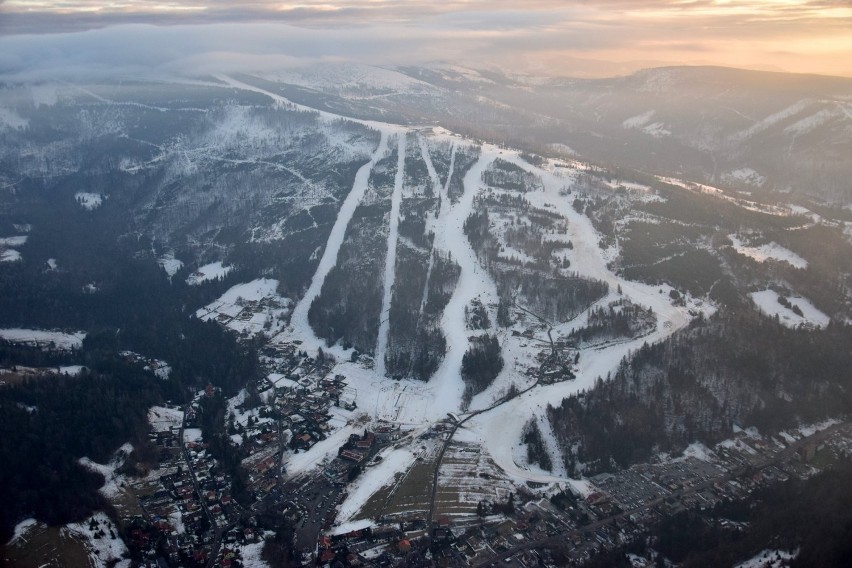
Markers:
(769, 559)
(97, 532)
(767, 302)
(46, 94)
(366, 485)
(350, 526)
(22, 528)
(769, 251)
(353, 81)
(773, 119)
(809, 123)
(319, 452)
(89, 201)
(192, 435)
(657, 130)
(745, 175)
(639, 120)
(208, 272)
(252, 555)
(13, 241)
(170, 264)
(42, 338)
(9, 255)
(698, 451)
(112, 480)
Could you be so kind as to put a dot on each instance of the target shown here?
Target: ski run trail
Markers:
(416, 405)
(390, 259)
(299, 320)
(446, 384)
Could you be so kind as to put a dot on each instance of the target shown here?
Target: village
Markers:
(194, 510)
(566, 528)
(192, 517)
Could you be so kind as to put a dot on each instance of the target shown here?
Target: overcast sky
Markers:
(564, 37)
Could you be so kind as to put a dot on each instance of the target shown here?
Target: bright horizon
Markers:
(543, 37)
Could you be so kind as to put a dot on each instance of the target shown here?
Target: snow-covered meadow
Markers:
(769, 251)
(43, 338)
(207, 272)
(767, 302)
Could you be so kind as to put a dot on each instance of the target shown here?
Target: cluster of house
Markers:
(157, 366)
(354, 454)
(457, 542)
(383, 545)
(304, 393)
(186, 503)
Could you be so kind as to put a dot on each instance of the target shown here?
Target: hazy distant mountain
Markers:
(751, 130)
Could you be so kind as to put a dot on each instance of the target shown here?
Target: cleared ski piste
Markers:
(395, 461)
(390, 258)
(300, 328)
(500, 429)
(446, 386)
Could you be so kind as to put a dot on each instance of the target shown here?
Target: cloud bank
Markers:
(565, 37)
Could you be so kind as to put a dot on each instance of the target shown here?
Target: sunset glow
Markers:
(560, 37)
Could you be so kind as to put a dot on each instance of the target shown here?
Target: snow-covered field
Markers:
(767, 302)
(101, 538)
(251, 555)
(42, 338)
(252, 307)
(769, 251)
(90, 201)
(192, 435)
(208, 272)
(163, 418)
(241, 416)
